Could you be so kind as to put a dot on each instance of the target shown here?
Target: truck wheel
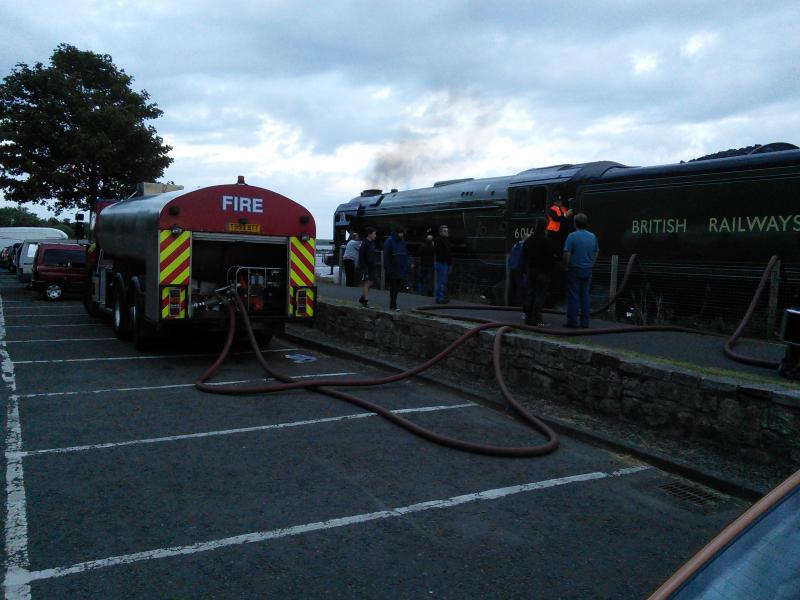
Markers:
(143, 332)
(121, 316)
(92, 309)
(263, 338)
(54, 291)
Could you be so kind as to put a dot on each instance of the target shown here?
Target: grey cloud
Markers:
(215, 68)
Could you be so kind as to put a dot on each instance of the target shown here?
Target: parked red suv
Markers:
(59, 269)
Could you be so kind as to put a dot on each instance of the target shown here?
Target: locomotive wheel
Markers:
(121, 316)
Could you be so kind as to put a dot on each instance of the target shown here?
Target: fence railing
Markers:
(711, 296)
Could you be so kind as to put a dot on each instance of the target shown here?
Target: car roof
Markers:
(59, 244)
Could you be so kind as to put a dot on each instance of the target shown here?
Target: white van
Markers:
(27, 256)
(12, 235)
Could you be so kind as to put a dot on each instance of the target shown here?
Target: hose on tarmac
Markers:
(325, 386)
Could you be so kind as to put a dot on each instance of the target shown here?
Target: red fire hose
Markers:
(728, 348)
(325, 386)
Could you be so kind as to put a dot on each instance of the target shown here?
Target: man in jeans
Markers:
(443, 263)
(580, 253)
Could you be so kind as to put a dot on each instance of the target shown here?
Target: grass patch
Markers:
(695, 368)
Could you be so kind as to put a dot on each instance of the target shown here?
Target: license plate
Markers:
(244, 228)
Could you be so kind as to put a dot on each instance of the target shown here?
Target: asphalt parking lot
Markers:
(124, 481)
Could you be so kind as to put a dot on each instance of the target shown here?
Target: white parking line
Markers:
(25, 577)
(173, 386)
(45, 305)
(16, 533)
(142, 357)
(205, 434)
(51, 326)
(32, 303)
(63, 314)
(105, 339)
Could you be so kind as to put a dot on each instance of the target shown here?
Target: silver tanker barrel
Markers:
(129, 229)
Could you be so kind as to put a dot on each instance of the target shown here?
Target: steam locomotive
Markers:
(686, 218)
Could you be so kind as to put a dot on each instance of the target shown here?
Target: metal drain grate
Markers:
(690, 493)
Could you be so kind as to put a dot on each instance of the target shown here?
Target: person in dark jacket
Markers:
(395, 261)
(368, 263)
(538, 258)
(517, 289)
(443, 263)
(425, 276)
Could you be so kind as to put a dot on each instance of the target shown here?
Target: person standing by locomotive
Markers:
(558, 221)
(580, 254)
(350, 259)
(443, 263)
(395, 261)
(368, 263)
(538, 260)
(517, 289)
(425, 277)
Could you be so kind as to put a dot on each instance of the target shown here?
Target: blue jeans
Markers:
(578, 283)
(425, 280)
(442, 273)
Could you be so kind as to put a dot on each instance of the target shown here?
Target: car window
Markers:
(32, 250)
(763, 562)
(64, 258)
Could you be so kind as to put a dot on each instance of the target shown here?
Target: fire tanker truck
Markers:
(165, 261)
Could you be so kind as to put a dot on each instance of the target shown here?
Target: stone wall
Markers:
(757, 421)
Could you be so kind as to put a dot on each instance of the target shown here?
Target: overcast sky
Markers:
(319, 100)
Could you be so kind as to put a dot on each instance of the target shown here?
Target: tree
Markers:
(75, 131)
(18, 217)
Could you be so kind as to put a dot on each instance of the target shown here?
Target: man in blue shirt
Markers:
(580, 252)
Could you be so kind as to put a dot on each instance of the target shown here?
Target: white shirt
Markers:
(351, 250)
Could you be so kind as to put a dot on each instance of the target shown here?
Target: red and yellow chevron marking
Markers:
(166, 313)
(175, 258)
(301, 273)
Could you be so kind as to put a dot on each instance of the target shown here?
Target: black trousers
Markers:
(395, 285)
(538, 282)
(349, 272)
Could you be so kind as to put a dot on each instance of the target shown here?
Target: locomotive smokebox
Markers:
(790, 335)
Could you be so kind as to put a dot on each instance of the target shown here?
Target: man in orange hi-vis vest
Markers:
(558, 218)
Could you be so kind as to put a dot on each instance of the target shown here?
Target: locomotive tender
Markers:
(733, 209)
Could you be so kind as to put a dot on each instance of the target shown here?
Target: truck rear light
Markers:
(301, 302)
(174, 302)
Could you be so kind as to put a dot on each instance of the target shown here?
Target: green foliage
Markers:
(74, 131)
(22, 217)
(18, 217)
